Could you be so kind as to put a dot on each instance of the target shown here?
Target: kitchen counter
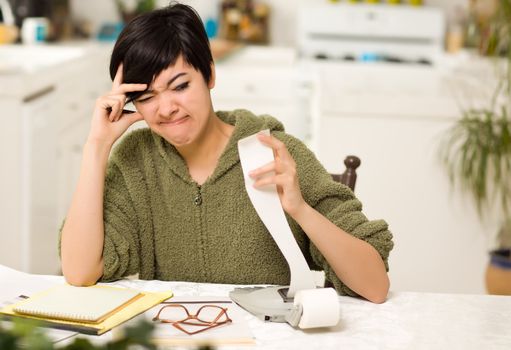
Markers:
(390, 115)
(46, 96)
(407, 320)
(25, 70)
(394, 117)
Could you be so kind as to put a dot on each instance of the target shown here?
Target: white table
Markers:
(405, 321)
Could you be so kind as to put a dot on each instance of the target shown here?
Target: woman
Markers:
(170, 202)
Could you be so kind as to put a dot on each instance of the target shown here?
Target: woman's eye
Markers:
(144, 99)
(181, 87)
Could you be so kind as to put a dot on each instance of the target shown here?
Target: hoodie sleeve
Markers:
(120, 257)
(121, 245)
(339, 205)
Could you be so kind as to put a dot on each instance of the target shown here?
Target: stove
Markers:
(368, 33)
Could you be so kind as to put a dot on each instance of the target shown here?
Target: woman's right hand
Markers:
(108, 120)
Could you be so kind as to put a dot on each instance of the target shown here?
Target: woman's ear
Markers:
(211, 83)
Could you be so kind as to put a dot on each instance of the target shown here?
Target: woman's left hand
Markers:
(282, 173)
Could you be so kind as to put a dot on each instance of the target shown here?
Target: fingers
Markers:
(278, 147)
(281, 181)
(113, 106)
(118, 113)
(114, 102)
(282, 156)
(119, 88)
(125, 88)
(270, 141)
(118, 99)
(264, 175)
(280, 151)
(281, 171)
(118, 77)
(262, 170)
(132, 117)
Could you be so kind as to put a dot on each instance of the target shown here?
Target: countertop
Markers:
(27, 69)
(405, 321)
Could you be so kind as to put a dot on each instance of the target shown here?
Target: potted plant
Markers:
(477, 151)
(26, 334)
(130, 9)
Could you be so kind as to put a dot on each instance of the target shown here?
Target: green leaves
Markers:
(145, 6)
(477, 149)
(25, 335)
(136, 7)
(477, 155)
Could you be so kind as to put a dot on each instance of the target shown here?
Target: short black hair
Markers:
(154, 40)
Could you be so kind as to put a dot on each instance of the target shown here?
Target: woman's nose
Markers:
(167, 105)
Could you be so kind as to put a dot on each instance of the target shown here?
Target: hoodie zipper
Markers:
(198, 202)
(198, 197)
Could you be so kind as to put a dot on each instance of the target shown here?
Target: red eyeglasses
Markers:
(206, 317)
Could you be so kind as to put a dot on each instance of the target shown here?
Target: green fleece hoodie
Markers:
(161, 224)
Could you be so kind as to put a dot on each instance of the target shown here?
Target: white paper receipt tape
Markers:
(266, 202)
(320, 307)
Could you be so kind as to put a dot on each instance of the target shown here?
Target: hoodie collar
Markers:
(245, 124)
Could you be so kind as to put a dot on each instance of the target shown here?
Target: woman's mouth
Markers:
(176, 121)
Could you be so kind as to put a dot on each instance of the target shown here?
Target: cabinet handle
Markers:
(38, 94)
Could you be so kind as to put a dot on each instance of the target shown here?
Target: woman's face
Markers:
(177, 105)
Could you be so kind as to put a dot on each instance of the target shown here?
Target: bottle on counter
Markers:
(472, 30)
(8, 33)
(455, 37)
(245, 20)
(34, 30)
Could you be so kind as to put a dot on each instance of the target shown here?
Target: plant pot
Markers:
(498, 272)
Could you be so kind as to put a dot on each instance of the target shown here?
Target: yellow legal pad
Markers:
(90, 310)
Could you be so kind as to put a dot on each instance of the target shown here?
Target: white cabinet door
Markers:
(273, 90)
(70, 146)
(46, 120)
(396, 128)
(29, 183)
(77, 95)
(39, 184)
(10, 182)
(439, 242)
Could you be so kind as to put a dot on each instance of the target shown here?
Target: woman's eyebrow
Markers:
(151, 90)
(175, 77)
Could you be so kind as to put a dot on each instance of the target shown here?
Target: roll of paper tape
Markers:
(320, 307)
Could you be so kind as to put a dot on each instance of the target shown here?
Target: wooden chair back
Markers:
(349, 176)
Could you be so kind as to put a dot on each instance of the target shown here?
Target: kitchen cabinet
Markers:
(39, 161)
(88, 80)
(391, 116)
(45, 111)
(44, 158)
(265, 80)
(28, 182)
(394, 117)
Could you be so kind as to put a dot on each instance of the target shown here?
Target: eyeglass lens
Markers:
(205, 314)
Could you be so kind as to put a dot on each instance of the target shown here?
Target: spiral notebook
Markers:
(69, 307)
(82, 304)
